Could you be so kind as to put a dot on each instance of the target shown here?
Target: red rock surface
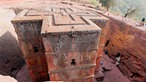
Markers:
(7, 79)
(11, 59)
(130, 43)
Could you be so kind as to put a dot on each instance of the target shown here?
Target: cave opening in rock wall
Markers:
(107, 43)
(118, 54)
(135, 75)
(36, 49)
(73, 62)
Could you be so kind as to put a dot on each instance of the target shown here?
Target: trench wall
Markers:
(130, 42)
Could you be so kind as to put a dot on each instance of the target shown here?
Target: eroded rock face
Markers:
(11, 59)
(130, 43)
(23, 75)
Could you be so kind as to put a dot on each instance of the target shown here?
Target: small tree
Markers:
(132, 9)
(107, 3)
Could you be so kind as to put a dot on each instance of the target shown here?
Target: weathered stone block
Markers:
(29, 36)
(71, 40)
(72, 57)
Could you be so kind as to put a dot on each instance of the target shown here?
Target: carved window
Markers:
(73, 62)
(36, 49)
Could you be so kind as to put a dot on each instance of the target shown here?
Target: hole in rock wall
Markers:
(105, 51)
(118, 54)
(73, 62)
(36, 49)
(107, 42)
(135, 75)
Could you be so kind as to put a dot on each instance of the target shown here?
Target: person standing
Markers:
(143, 19)
(118, 57)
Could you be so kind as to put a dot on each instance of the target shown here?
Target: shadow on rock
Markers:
(11, 59)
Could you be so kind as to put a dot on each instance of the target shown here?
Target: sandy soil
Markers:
(7, 79)
(5, 21)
